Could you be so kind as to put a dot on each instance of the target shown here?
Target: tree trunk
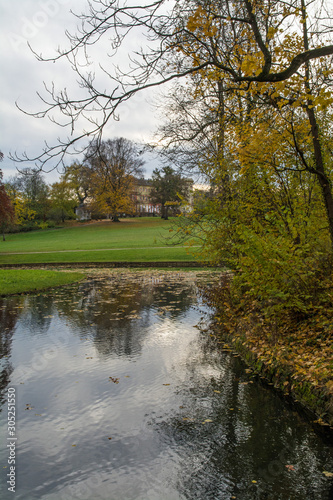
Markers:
(164, 212)
(324, 181)
(116, 218)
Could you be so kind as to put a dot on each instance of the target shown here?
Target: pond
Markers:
(122, 393)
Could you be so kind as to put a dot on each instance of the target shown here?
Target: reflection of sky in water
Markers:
(120, 358)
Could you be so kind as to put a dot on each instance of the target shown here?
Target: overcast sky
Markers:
(42, 23)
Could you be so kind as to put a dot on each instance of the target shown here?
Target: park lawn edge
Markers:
(174, 254)
(18, 281)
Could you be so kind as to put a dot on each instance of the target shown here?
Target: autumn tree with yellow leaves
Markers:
(268, 126)
(268, 60)
(114, 165)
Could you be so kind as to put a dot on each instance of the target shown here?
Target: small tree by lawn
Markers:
(79, 179)
(169, 187)
(63, 201)
(30, 196)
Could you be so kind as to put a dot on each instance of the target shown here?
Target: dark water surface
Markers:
(120, 396)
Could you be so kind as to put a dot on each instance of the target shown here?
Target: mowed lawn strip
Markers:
(131, 255)
(128, 233)
(131, 240)
(14, 281)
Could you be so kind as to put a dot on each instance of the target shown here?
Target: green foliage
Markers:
(63, 201)
(79, 179)
(169, 189)
(268, 225)
(269, 214)
(29, 194)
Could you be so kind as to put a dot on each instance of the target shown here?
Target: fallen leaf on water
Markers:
(290, 467)
(328, 474)
(218, 392)
(114, 380)
(166, 384)
(254, 481)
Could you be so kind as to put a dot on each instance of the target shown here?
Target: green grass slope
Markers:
(139, 239)
(14, 281)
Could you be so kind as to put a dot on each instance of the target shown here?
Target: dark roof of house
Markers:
(143, 182)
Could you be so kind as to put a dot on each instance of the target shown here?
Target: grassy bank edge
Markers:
(315, 401)
(17, 281)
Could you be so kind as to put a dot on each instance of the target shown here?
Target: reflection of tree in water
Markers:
(37, 313)
(117, 310)
(232, 432)
(9, 312)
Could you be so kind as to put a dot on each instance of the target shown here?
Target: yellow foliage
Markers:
(22, 210)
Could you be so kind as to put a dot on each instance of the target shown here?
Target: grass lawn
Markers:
(27, 280)
(138, 239)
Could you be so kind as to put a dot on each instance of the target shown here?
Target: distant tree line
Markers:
(104, 182)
